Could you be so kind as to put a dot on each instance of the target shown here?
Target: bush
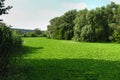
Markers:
(9, 39)
(33, 34)
(16, 40)
(5, 38)
(9, 42)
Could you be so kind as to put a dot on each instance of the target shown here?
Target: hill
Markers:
(23, 30)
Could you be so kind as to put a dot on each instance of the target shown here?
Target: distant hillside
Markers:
(30, 33)
(23, 30)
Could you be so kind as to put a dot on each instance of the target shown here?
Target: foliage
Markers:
(87, 34)
(5, 32)
(87, 25)
(9, 43)
(31, 33)
(37, 31)
(62, 27)
(3, 9)
(79, 21)
(9, 39)
(16, 40)
(5, 42)
(5, 38)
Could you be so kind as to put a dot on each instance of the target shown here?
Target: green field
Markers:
(47, 59)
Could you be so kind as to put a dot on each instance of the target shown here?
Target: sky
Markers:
(31, 14)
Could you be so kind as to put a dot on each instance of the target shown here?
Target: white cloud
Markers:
(77, 6)
(48, 13)
(16, 17)
(116, 1)
(20, 18)
(39, 18)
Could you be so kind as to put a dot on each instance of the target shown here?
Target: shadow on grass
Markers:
(16, 63)
(69, 69)
(25, 50)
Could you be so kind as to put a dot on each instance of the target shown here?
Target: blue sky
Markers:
(31, 14)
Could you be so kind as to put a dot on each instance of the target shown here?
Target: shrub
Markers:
(5, 38)
(16, 40)
(9, 39)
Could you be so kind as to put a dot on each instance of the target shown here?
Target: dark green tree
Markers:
(80, 21)
(62, 27)
(37, 32)
(115, 24)
(97, 25)
(9, 41)
(69, 18)
(5, 39)
(3, 8)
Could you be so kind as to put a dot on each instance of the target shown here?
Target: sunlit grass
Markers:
(60, 49)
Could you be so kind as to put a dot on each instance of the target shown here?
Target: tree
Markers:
(9, 41)
(53, 28)
(80, 21)
(97, 25)
(87, 34)
(37, 32)
(3, 9)
(114, 23)
(5, 38)
(69, 18)
(62, 27)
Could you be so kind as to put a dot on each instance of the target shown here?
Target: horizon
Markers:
(27, 14)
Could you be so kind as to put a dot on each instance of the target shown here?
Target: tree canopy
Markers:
(97, 25)
(3, 8)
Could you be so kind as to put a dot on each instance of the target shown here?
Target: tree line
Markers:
(97, 25)
(31, 33)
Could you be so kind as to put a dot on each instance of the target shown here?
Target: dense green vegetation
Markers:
(9, 39)
(97, 25)
(31, 33)
(47, 59)
(9, 42)
(62, 27)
